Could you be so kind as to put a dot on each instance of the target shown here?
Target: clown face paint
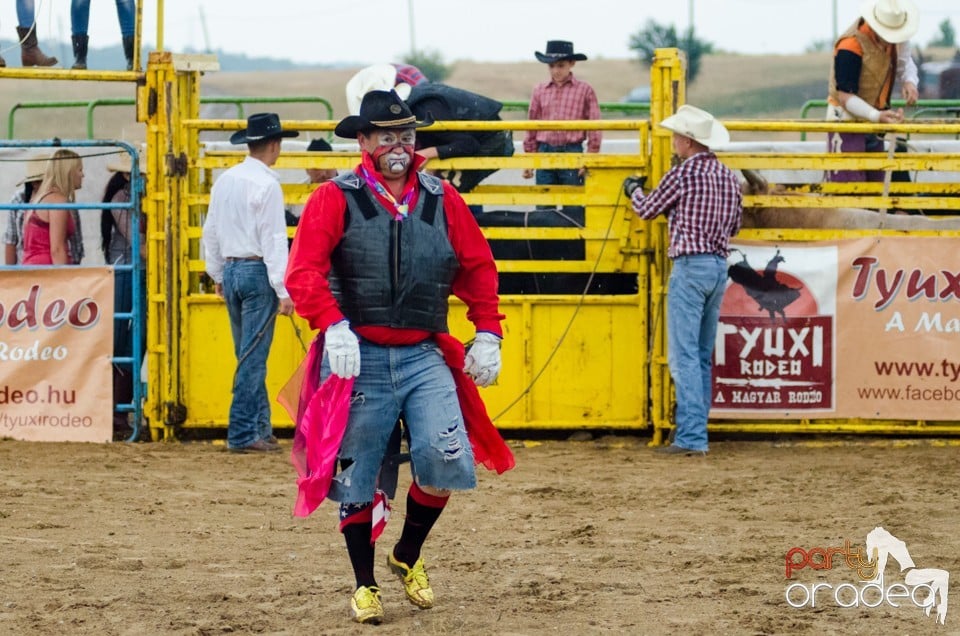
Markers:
(392, 150)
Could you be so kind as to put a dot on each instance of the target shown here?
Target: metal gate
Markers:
(130, 276)
(575, 359)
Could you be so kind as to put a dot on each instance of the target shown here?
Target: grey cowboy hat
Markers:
(261, 126)
(379, 110)
(558, 50)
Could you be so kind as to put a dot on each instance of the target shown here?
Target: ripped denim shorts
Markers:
(416, 381)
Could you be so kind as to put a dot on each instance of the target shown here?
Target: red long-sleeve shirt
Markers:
(321, 228)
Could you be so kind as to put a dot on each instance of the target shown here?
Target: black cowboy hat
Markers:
(558, 50)
(379, 110)
(320, 145)
(261, 126)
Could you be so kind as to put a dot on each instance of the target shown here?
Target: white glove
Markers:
(342, 349)
(483, 360)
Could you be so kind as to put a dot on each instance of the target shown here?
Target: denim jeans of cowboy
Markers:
(252, 306)
(559, 177)
(694, 294)
(416, 381)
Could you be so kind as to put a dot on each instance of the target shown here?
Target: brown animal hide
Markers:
(842, 218)
(832, 218)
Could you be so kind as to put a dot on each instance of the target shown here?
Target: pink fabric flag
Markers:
(321, 417)
(321, 431)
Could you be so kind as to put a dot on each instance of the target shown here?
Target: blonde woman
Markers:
(46, 233)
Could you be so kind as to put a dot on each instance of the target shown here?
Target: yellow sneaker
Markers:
(366, 605)
(415, 582)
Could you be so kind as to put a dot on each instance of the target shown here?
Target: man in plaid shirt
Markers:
(702, 201)
(563, 97)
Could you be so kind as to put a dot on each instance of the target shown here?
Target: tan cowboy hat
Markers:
(698, 125)
(35, 166)
(122, 164)
(32, 175)
(379, 77)
(895, 21)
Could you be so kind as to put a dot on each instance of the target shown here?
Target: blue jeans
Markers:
(123, 301)
(696, 287)
(25, 13)
(252, 306)
(416, 381)
(559, 177)
(80, 16)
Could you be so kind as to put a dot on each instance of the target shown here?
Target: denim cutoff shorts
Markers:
(414, 380)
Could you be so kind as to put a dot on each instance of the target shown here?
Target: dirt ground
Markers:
(582, 537)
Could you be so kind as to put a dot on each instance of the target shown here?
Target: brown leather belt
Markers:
(243, 258)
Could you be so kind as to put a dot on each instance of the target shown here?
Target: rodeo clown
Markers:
(376, 255)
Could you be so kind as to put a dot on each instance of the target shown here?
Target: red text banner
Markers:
(56, 345)
(860, 328)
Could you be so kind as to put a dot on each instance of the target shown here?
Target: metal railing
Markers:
(92, 104)
(626, 108)
(922, 106)
(136, 314)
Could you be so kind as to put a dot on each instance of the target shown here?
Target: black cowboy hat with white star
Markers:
(379, 110)
(261, 126)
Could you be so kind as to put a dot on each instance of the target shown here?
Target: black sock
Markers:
(357, 536)
(423, 510)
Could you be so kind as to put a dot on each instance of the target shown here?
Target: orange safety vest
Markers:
(878, 69)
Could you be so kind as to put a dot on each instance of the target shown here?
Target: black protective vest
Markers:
(393, 273)
(464, 105)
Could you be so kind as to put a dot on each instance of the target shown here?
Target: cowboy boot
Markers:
(79, 52)
(128, 50)
(30, 53)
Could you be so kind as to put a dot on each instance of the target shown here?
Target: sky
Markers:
(373, 31)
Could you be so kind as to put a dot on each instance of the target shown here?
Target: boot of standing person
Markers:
(122, 394)
(30, 53)
(128, 50)
(80, 51)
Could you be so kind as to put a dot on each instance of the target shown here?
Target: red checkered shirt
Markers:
(571, 100)
(703, 203)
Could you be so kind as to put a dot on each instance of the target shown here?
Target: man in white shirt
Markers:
(245, 240)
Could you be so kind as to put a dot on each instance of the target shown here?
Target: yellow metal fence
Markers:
(571, 360)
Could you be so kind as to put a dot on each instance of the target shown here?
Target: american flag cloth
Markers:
(379, 515)
(703, 203)
(571, 100)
